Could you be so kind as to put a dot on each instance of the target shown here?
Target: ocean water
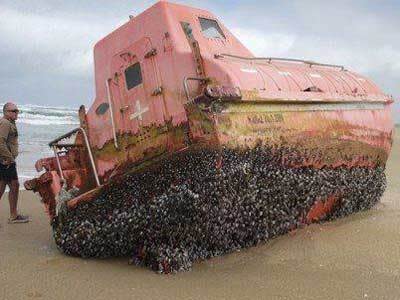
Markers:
(37, 126)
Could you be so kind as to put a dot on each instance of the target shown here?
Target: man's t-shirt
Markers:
(8, 140)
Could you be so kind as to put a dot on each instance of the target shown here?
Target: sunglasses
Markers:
(14, 110)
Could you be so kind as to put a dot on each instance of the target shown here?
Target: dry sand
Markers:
(354, 258)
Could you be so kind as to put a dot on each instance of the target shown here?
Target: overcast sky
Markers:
(46, 45)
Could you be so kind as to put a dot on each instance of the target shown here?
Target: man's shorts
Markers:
(8, 172)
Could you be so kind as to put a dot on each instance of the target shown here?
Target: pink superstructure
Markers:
(225, 60)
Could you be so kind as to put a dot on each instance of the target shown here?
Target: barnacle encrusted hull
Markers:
(204, 203)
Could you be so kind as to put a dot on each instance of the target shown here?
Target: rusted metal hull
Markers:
(315, 137)
(312, 135)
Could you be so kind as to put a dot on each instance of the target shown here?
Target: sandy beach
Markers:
(353, 258)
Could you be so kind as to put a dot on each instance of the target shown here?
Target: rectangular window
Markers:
(211, 29)
(133, 76)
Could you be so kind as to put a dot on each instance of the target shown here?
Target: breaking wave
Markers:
(47, 115)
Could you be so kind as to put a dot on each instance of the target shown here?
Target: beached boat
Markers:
(192, 133)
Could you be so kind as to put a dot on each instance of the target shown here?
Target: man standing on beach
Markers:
(8, 153)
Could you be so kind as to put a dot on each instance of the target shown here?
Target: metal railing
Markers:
(53, 144)
(111, 113)
(270, 59)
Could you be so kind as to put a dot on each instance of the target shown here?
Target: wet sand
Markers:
(353, 258)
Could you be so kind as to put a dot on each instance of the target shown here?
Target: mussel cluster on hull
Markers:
(206, 203)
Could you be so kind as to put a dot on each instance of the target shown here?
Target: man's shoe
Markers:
(19, 219)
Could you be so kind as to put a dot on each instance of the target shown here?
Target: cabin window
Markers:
(211, 29)
(133, 76)
(102, 108)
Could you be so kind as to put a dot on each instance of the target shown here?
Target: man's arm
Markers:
(6, 156)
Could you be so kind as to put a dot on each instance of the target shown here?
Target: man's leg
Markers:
(2, 188)
(13, 198)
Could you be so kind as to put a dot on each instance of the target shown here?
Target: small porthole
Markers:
(102, 108)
